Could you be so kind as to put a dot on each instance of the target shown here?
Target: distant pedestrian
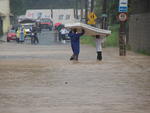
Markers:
(75, 43)
(22, 35)
(36, 40)
(18, 35)
(55, 35)
(58, 28)
(99, 47)
(63, 32)
(34, 37)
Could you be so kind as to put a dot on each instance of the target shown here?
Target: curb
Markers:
(3, 38)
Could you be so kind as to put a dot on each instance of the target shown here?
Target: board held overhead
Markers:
(89, 30)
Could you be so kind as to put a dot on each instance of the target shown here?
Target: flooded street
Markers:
(41, 79)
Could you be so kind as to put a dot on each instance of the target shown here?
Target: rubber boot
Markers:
(72, 57)
(99, 55)
(76, 57)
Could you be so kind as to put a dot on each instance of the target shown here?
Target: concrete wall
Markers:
(5, 9)
(139, 32)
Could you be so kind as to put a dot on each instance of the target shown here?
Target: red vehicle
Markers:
(11, 35)
(46, 24)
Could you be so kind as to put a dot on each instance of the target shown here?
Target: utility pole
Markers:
(75, 6)
(92, 5)
(51, 13)
(74, 13)
(81, 7)
(104, 15)
(76, 9)
(122, 39)
(122, 16)
(86, 10)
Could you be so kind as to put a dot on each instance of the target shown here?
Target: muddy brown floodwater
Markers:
(41, 79)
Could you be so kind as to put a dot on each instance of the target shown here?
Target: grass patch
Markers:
(144, 52)
(111, 41)
(88, 40)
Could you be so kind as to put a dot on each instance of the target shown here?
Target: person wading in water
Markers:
(75, 43)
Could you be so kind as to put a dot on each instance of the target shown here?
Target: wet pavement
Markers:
(41, 79)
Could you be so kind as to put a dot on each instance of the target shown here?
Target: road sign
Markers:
(122, 17)
(123, 5)
(92, 17)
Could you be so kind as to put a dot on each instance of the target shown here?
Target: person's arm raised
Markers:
(82, 33)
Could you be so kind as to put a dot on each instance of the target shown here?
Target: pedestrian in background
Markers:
(63, 32)
(22, 34)
(75, 43)
(18, 35)
(34, 37)
(58, 28)
(36, 40)
(31, 34)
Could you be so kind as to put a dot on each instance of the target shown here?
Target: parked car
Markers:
(11, 35)
(46, 24)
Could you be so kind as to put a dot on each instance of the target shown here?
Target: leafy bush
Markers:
(88, 40)
(112, 40)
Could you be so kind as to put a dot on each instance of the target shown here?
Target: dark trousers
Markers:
(32, 40)
(59, 35)
(36, 40)
(63, 36)
(17, 40)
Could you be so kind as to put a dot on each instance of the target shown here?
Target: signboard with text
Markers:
(123, 5)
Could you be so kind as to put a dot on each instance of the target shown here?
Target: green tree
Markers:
(98, 7)
(20, 6)
(16, 6)
(112, 9)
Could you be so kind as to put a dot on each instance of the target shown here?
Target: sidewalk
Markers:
(3, 38)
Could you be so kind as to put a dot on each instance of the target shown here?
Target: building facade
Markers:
(4, 16)
(56, 15)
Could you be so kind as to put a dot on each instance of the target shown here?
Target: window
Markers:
(67, 17)
(61, 17)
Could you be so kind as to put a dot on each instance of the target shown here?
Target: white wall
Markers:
(63, 15)
(5, 9)
(59, 15)
(34, 14)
